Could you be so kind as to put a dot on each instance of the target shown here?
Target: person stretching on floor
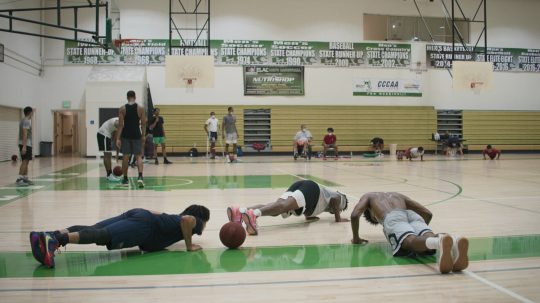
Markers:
(491, 152)
(149, 230)
(405, 225)
(304, 197)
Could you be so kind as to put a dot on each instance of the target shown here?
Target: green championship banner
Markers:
(273, 80)
(249, 52)
(387, 88)
(504, 59)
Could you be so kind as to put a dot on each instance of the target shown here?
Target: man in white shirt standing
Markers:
(211, 128)
(105, 135)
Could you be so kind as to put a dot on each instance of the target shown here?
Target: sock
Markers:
(432, 242)
(63, 239)
(140, 175)
(257, 212)
(109, 172)
(125, 178)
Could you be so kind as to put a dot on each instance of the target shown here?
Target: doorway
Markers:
(66, 139)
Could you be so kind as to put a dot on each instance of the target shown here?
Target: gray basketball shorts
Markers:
(131, 147)
(399, 224)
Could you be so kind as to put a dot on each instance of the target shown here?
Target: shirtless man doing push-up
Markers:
(405, 225)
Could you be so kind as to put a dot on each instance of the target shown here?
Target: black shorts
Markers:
(213, 136)
(311, 192)
(104, 143)
(28, 155)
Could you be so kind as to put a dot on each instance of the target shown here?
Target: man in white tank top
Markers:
(105, 135)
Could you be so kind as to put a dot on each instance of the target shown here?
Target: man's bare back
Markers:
(381, 203)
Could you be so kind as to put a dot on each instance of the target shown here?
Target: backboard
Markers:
(472, 76)
(189, 71)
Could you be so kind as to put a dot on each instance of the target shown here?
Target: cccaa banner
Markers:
(377, 87)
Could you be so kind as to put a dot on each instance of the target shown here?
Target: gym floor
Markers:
(494, 203)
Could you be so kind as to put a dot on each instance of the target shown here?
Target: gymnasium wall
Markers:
(19, 83)
(511, 24)
(354, 126)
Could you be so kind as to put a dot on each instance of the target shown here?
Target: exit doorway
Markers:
(66, 132)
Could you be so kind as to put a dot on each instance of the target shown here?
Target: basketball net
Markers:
(476, 87)
(190, 82)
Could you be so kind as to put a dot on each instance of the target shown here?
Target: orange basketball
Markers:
(232, 235)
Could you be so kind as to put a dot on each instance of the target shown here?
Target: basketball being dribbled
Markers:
(14, 158)
(117, 171)
(232, 235)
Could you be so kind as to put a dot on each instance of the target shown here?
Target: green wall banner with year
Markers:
(504, 59)
(387, 87)
(273, 80)
(250, 52)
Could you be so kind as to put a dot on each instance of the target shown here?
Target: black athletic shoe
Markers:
(125, 182)
(166, 161)
(295, 156)
(156, 162)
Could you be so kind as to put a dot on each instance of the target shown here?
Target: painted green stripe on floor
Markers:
(127, 263)
(167, 183)
(12, 192)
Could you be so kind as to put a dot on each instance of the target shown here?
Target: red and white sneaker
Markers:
(234, 214)
(250, 220)
(445, 261)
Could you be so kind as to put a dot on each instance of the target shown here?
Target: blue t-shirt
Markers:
(167, 231)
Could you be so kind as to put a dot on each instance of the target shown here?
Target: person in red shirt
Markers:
(491, 152)
(329, 141)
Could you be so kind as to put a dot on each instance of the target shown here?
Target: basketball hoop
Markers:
(189, 84)
(130, 49)
(476, 87)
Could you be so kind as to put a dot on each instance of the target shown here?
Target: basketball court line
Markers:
(497, 286)
(452, 172)
(21, 264)
(287, 282)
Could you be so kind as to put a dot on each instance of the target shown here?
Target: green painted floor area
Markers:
(186, 182)
(69, 179)
(12, 192)
(122, 263)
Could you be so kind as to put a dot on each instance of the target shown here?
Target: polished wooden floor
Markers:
(484, 200)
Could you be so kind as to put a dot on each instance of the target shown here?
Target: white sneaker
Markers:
(113, 178)
(445, 262)
(460, 250)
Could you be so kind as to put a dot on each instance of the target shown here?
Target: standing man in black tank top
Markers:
(132, 120)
